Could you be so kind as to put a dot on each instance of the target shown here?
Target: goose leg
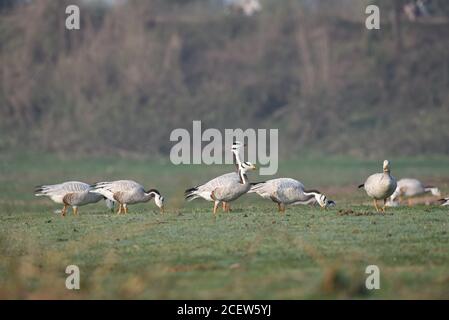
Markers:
(385, 205)
(119, 211)
(216, 203)
(282, 207)
(375, 205)
(224, 205)
(75, 210)
(64, 210)
(125, 208)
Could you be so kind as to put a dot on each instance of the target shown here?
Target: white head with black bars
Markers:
(158, 198)
(242, 167)
(321, 199)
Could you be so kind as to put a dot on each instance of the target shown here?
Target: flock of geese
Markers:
(229, 187)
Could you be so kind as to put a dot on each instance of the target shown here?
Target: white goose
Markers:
(225, 188)
(127, 192)
(380, 186)
(284, 191)
(408, 187)
(71, 193)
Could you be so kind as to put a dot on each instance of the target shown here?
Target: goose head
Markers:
(158, 198)
(386, 166)
(323, 201)
(237, 145)
(320, 198)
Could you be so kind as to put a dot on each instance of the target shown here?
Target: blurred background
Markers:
(136, 70)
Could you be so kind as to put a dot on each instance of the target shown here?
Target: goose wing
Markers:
(62, 188)
(57, 192)
(204, 190)
(280, 190)
(111, 188)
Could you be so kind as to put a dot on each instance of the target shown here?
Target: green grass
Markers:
(252, 252)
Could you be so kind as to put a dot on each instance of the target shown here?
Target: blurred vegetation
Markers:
(139, 69)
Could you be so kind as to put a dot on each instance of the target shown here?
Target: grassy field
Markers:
(252, 252)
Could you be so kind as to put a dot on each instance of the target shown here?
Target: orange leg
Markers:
(119, 211)
(64, 210)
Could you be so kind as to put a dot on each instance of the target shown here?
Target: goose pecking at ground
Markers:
(380, 186)
(127, 192)
(225, 188)
(408, 188)
(71, 193)
(287, 191)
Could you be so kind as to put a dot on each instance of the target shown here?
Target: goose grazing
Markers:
(127, 192)
(411, 188)
(284, 191)
(225, 188)
(71, 193)
(380, 186)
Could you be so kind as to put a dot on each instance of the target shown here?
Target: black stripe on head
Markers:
(154, 190)
(313, 190)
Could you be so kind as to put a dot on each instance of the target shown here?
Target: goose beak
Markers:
(254, 167)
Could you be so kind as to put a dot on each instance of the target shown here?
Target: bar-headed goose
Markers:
(128, 192)
(284, 191)
(408, 188)
(380, 186)
(71, 193)
(225, 188)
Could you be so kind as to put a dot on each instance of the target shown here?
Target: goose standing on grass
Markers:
(71, 193)
(127, 192)
(225, 188)
(408, 187)
(284, 191)
(380, 186)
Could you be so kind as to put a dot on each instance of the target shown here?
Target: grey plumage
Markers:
(227, 187)
(285, 191)
(127, 192)
(71, 193)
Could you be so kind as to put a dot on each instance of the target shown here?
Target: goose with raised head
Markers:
(380, 186)
(287, 191)
(126, 192)
(225, 188)
(71, 193)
